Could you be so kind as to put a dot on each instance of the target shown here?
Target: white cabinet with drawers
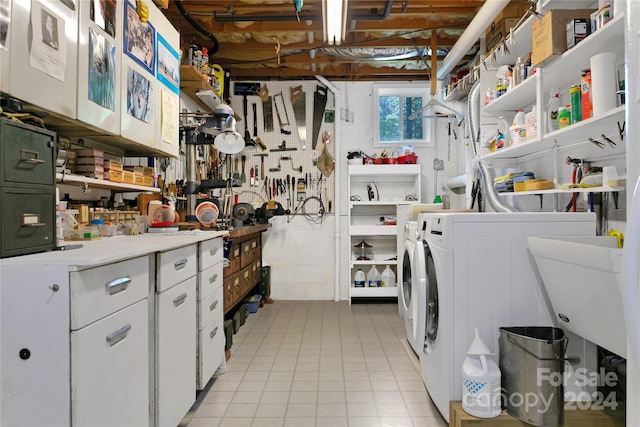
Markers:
(210, 352)
(175, 347)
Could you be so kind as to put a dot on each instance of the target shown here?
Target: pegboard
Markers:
(289, 162)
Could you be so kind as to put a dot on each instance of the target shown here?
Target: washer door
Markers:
(432, 318)
(407, 276)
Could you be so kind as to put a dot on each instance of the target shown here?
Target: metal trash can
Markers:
(532, 368)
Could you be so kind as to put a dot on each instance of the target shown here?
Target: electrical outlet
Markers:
(438, 164)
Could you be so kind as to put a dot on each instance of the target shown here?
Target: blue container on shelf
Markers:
(254, 302)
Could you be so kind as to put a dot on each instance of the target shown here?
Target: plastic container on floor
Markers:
(254, 302)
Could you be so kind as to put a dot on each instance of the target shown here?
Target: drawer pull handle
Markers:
(214, 332)
(32, 220)
(253, 245)
(213, 278)
(118, 285)
(118, 335)
(180, 300)
(179, 265)
(34, 159)
(213, 305)
(212, 252)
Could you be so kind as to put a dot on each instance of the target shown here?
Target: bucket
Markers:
(532, 367)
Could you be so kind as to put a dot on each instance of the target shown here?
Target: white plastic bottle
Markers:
(552, 111)
(480, 382)
(359, 279)
(388, 277)
(373, 277)
(518, 129)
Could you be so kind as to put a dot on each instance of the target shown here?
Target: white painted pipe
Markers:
(485, 16)
(336, 196)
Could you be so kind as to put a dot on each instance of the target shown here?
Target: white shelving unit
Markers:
(394, 184)
(102, 183)
(547, 154)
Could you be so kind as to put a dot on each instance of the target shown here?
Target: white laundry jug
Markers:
(480, 382)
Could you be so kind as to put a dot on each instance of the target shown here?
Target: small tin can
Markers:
(576, 103)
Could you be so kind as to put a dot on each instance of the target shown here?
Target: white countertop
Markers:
(112, 249)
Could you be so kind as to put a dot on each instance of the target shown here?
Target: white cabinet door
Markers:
(109, 370)
(175, 352)
(210, 350)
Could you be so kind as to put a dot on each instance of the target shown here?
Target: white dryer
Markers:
(477, 272)
(404, 291)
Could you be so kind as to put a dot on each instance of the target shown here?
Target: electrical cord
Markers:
(198, 27)
(317, 217)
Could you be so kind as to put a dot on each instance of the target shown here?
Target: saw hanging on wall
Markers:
(300, 113)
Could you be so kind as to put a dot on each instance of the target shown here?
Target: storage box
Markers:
(577, 30)
(135, 169)
(127, 177)
(549, 34)
(147, 181)
(499, 31)
(89, 168)
(138, 179)
(253, 303)
(90, 152)
(113, 175)
(112, 165)
(90, 160)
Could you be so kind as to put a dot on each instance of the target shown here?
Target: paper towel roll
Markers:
(604, 83)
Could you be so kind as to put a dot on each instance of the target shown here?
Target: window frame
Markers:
(402, 90)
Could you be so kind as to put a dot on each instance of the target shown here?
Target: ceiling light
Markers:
(334, 17)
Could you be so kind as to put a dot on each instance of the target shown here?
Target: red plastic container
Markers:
(408, 160)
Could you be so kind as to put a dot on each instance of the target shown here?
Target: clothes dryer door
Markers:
(407, 276)
(427, 274)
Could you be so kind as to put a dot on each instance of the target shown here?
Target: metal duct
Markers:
(487, 174)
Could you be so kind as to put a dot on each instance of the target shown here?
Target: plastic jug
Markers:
(373, 277)
(480, 382)
(552, 111)
(388, 277)
(359, 279)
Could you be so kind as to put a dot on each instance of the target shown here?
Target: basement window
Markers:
(393, 104)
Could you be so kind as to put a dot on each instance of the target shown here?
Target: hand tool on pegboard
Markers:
(245, 89)
(262, 156)
(319, 104)
(281, 113)
(243, 176)
(283, 147)
(267, 108)
(300, 113)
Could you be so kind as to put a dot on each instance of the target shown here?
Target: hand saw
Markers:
(267, 108)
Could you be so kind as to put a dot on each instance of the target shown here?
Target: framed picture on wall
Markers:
(102, 70)
(139, 39)
(103, 13)
(139, 96)
(168, 70)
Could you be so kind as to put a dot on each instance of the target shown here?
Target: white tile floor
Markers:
(318, 363)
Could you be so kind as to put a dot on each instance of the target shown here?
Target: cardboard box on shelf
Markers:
(148, 181)
(113, 175)
(91, 152)
(112, 165)
(89, 160)
(127, 177)
(549, 34)
(499, 30)
(143, 202)
(135, 169)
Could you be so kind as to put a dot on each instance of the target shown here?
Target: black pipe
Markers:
(198, 27)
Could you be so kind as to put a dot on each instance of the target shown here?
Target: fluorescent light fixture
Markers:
(334, 16)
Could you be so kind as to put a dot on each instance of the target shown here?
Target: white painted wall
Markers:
(301, 254)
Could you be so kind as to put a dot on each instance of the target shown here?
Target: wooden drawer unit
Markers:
(234, 260)
(211, 253)
(256, 272)
(248, 251)
(231, 291)
(28, 220)
(209, 280)
(175, 266)
(27, 154)
(97, 292)
(246, 277)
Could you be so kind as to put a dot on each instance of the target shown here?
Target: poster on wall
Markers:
(48, 51)
(139, 96)
(5, 20)
(169, 112)
(102, 70)
(103, 13)
(168, 65)
(139, 39)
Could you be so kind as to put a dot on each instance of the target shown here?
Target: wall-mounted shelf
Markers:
(601, 189)
(102, 183)
(191, 82)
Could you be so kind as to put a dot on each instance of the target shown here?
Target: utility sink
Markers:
(582, 276)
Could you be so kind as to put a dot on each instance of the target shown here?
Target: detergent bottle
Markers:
(373, 277)
(480, 381)
(359, 279)
(552, 111)
(388, 277)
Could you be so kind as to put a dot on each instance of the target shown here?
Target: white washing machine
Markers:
(477, 272)
(410, 295)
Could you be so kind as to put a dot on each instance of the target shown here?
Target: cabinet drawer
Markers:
(98, 292)
(246, 277)
(234, 260)
(209, 280)
(248, 252)
(110, 370)
(211, 343)
(176, 266)
(210, 307)
(175, 352)
(28, 220)
(256, 271)
(211, 253)
(231, 291)
(27, 154)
